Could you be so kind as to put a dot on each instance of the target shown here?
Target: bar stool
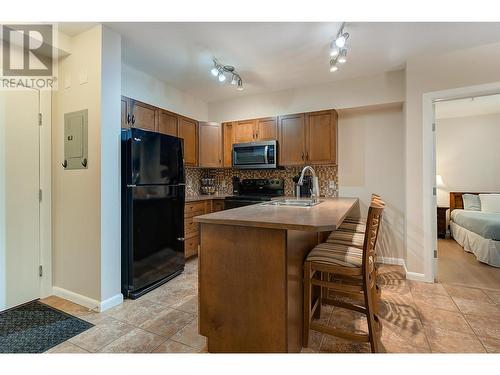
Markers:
(349, 270)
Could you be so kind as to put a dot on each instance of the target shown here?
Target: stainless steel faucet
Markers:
(315, 182)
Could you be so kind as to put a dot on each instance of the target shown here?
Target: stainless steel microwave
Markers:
(255, 155)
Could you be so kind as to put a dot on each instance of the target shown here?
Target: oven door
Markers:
(255, 155)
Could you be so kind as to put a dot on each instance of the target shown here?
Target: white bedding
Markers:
(485, 250)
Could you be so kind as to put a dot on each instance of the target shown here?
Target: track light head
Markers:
(341, 40)
(342, 56)
(240, 85)
(214, 71)
(222, 77)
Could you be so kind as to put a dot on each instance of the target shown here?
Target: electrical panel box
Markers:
(76, 140)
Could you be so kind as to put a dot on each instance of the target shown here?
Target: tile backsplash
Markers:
(223, 178)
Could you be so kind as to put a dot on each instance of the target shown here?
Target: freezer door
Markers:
(156, 246)
(154, 158)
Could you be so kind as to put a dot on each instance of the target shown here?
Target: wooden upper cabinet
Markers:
(167, 122)
(244, 131)
(291, 139)
(143, 115)
(210, 140)
(126, 117)
(321, 137)
(228, 140)
(188, 130)
(267, 128)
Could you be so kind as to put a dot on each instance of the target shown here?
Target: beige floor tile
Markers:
(492, 345)
(468, 306)
(136, 312)
(103, 333)
(434, 301)
(66, 347)
(190, 305)
(410, 331)
(168, 322)
(427, 288)
(333, 344)
(466, 293)
(135, 341)
(171, 346)
(350, 321)
(189, 336)
(485, 326)
(445, 341)
(66, 306)
(447, 320)
(494, 295)
(398, 312)
(394, 343)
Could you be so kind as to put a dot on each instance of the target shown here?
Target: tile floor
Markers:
(417, 318)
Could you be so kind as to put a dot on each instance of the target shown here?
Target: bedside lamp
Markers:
(439, 181)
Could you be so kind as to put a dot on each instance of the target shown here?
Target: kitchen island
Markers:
(250, 273)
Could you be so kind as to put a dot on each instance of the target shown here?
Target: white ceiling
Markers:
(477, 106)
(276, 56)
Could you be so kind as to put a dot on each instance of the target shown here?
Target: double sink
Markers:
(293, 202)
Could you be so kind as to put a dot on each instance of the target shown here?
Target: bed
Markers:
(477, 232)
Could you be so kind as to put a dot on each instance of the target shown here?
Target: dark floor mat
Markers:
(35, 327)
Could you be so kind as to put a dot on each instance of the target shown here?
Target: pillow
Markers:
(490, 202)
(471, 202)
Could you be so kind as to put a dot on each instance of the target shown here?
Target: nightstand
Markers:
(441, 221)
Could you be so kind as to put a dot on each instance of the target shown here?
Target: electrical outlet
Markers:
(332, 184)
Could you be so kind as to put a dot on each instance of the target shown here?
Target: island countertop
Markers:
(322, 217)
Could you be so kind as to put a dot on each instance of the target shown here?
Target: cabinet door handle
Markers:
(128, 118)
(133, 119)
(307, 155)
(302, 156)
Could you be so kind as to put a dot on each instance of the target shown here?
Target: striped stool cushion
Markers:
(352, 227)
(347, 238)
(336, 254)
(356, 220)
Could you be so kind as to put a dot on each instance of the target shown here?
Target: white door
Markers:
(20, 200)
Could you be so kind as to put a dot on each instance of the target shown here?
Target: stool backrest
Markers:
(371, 233)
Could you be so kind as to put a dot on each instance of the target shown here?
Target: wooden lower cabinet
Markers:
(192, 229)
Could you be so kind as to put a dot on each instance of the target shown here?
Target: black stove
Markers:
(255, 190)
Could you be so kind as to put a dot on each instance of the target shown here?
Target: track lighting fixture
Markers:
(338, 49)
(220, 71)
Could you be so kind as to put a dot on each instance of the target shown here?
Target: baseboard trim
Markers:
(87, 301)
(390, 260)
(111, 302)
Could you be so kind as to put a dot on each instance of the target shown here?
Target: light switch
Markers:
(83, 77)
(67, 82)
(332, 184)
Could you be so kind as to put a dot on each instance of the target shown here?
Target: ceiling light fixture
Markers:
(220, 72)
(342, 57)
(338, 49)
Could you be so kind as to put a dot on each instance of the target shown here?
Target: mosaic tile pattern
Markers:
(223, 178)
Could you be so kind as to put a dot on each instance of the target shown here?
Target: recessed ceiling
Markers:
(476, 106)
(277, 56)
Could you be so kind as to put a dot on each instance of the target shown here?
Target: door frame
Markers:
(429, 164)
(45, 177)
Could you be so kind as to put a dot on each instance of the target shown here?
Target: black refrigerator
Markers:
(153, 194)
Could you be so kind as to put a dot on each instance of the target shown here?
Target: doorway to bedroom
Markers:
(467, 155)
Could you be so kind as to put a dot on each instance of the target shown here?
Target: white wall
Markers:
(467, 67)
(86, 205)
(358, 92)
(468, 154)
(146, 88)
(370, 146)
(110, 167)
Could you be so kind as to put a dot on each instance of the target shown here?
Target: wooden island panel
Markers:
(250, 291)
